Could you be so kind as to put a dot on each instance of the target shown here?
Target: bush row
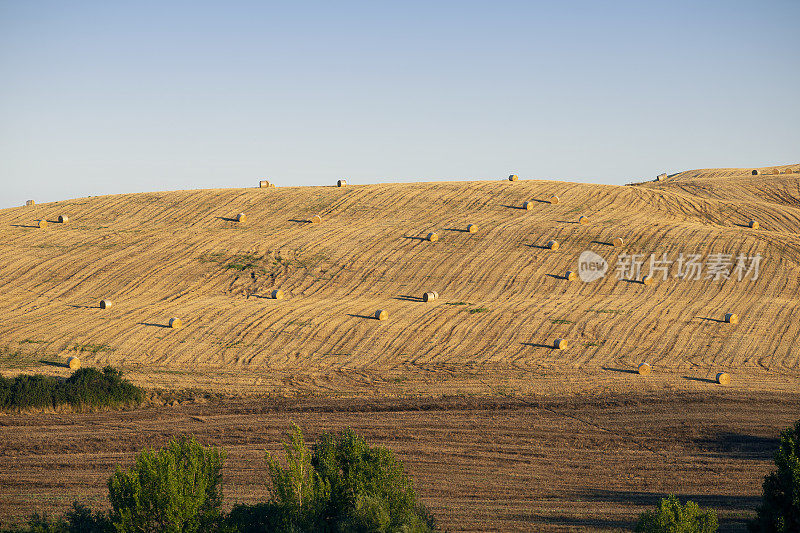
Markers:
(85, 388)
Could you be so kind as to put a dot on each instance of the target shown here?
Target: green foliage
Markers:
(80, 519)
(344, 486)
(171, 490)
(672, 517)
(779, 511)
(87, 387)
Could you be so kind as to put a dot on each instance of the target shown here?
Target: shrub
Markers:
(85, 388)
(780, 503)
(174, 489)
(80, 519)
(344, 485)
(672, 517)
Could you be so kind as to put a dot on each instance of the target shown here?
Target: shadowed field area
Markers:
(482, 464)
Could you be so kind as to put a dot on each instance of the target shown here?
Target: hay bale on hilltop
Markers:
(723, 378)
(661, 176)
(264, 184)
(754, 172)
(277, 294)
(513, 177)
(776, 171)
(472, 228)
(30, 202)
(381, 314)
(560, 344)
(554, 200)
(553, 245)
(74, 363)
(241, 217)
(643, 369)
(106, 304)
(63, 219)
(433, 236)
(341, 183)
(731, 318)
(316, 219)
(788, 171)
(175, 323)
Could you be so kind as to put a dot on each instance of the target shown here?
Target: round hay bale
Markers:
(776, 171)
(618, 242)
(527, 206)
(554, 200)
(754, 172)
(429, 297)
(731, 318)
(583, 220)
(560, 344)
(41, 223)
(175, 323)
(661, 176)
(74, 363)
(647, 280)
(341, 183)
(789, 171)
(241, 217)
(472, 228)
(316, 219)
(513, 177)
(435, 295)
(381, 314)
(723, 378)
(63, 219)
(277, 294)
(106, 304)
(643, 369)
(571, 275)
(754, 224)
(433, 237)
(30, 202)
(264, 184)
(553, 245)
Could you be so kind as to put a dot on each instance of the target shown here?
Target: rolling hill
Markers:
(503, 297)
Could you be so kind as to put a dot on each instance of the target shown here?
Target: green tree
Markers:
(779, 511)
(345, 485)
(172, 490)
(672, 517)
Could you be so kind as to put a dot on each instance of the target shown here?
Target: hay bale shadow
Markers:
(415, 238)
(371, 317)
(152, 324)
(227, 219)
(623, 370)
(54, 363)
(603, 243)
(702, 380)
(537, 345)
(407, 298)
(709, 319)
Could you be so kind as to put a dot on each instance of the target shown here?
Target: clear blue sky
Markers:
(107, 97)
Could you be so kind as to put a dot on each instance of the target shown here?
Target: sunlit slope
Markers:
(502, 298)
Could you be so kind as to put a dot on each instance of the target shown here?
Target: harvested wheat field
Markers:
(503, 299)
(160, 255)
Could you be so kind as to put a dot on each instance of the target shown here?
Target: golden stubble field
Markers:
(488, 338)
